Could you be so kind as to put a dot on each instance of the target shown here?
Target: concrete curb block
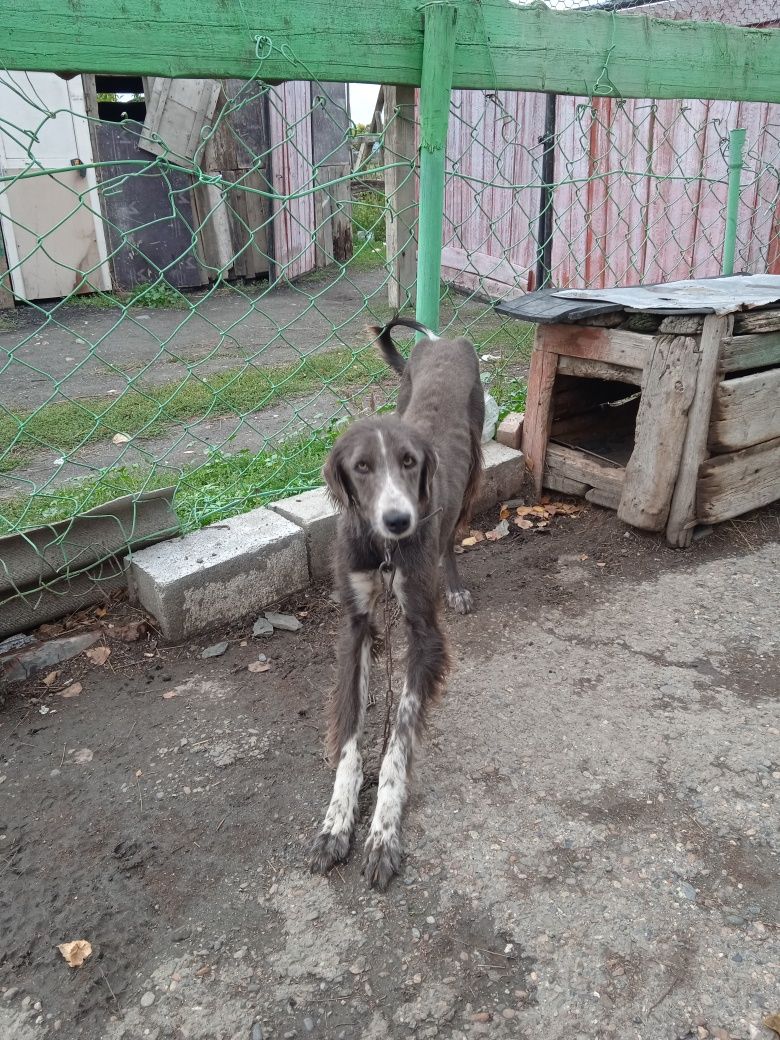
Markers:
(238, 567)
(315, 513)
(221, 573)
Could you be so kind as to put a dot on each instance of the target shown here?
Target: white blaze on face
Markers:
(391, 497)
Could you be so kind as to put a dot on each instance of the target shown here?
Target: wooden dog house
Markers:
(668, 412)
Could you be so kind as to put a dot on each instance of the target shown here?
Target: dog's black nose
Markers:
(396, 522)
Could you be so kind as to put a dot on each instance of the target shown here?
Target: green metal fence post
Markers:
(736, 162)
(435, 85)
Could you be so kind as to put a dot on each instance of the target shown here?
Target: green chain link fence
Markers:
(211, 333)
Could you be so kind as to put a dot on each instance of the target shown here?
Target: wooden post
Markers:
(400, 185)
(668, 388)
(538, 411)
(435, 87)
(682, 514)
(6, 296)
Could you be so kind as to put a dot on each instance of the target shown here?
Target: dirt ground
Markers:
(591, 845)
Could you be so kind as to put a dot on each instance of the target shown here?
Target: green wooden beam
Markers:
(499, 45)
(438, 56)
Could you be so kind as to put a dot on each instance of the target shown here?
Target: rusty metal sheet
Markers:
(694, 296)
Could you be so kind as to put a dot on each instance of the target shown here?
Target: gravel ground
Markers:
(591, 846)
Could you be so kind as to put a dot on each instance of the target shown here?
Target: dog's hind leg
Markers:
(458, 596)
(427, 666)
(345, 729)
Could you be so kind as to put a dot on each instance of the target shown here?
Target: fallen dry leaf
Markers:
(525, 510)
(75, 953)
(504, 513)
(52, 677)
(601, 565)
(132, 631)
(773, 1022)
(98, 654)
(170, 694)
(524, 525)
(468, 542)
(562, 509)
(259, 666)
(120, 438)
(584, 556)
(72, 691)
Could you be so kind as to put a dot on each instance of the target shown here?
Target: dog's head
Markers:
(383, 469)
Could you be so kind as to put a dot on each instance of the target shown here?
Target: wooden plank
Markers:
(538, 411)
(757, 321)
(482, 272)
(401, 192)
(589, 470)
(557, 482)
(745, 411)
(606, 499)
(730, 485)
(531, 48)
(6, 296)
(682, 514)
(586, 368)
(662, 420)
(682, 325)
(740, 353)
(616, 346)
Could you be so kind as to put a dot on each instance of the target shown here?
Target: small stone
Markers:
(430, 920)
(257, 1032)
(147, 999)
(308, 1025)
(217, 650)
(284, 622)
(358, 967)
(11, 992)
(262, 627)
(687, 891)
(508, 1013)
(481, 1016)
(721, 1034)
(181, 934)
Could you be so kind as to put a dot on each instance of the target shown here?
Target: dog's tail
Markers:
(390, 352)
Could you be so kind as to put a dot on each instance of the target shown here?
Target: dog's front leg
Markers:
(345, 725)
(426, 670)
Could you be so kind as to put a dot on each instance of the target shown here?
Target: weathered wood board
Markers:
(668, 388)
(740, 353)
(586, 368)
(682, 513)
(530, 48)
(730, 485)
(538, 413)
(630, 349)
(585, 469)
(746, 411)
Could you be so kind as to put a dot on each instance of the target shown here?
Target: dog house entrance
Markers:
(592, 433)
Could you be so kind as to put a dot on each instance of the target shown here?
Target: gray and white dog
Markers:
(405, 484)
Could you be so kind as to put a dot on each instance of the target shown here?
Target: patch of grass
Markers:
(159, 295)
(369, 211)
(222, 486)
(148, 411)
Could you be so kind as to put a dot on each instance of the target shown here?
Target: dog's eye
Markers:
(409, 461)
(361, 467)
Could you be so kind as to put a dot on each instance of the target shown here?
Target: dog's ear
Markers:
(335, 476)
(427, 473)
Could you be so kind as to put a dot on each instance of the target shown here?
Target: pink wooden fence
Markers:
(640, 190)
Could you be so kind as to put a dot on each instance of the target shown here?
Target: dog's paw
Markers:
(328, 850)
(460, 600)
(382, 859)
